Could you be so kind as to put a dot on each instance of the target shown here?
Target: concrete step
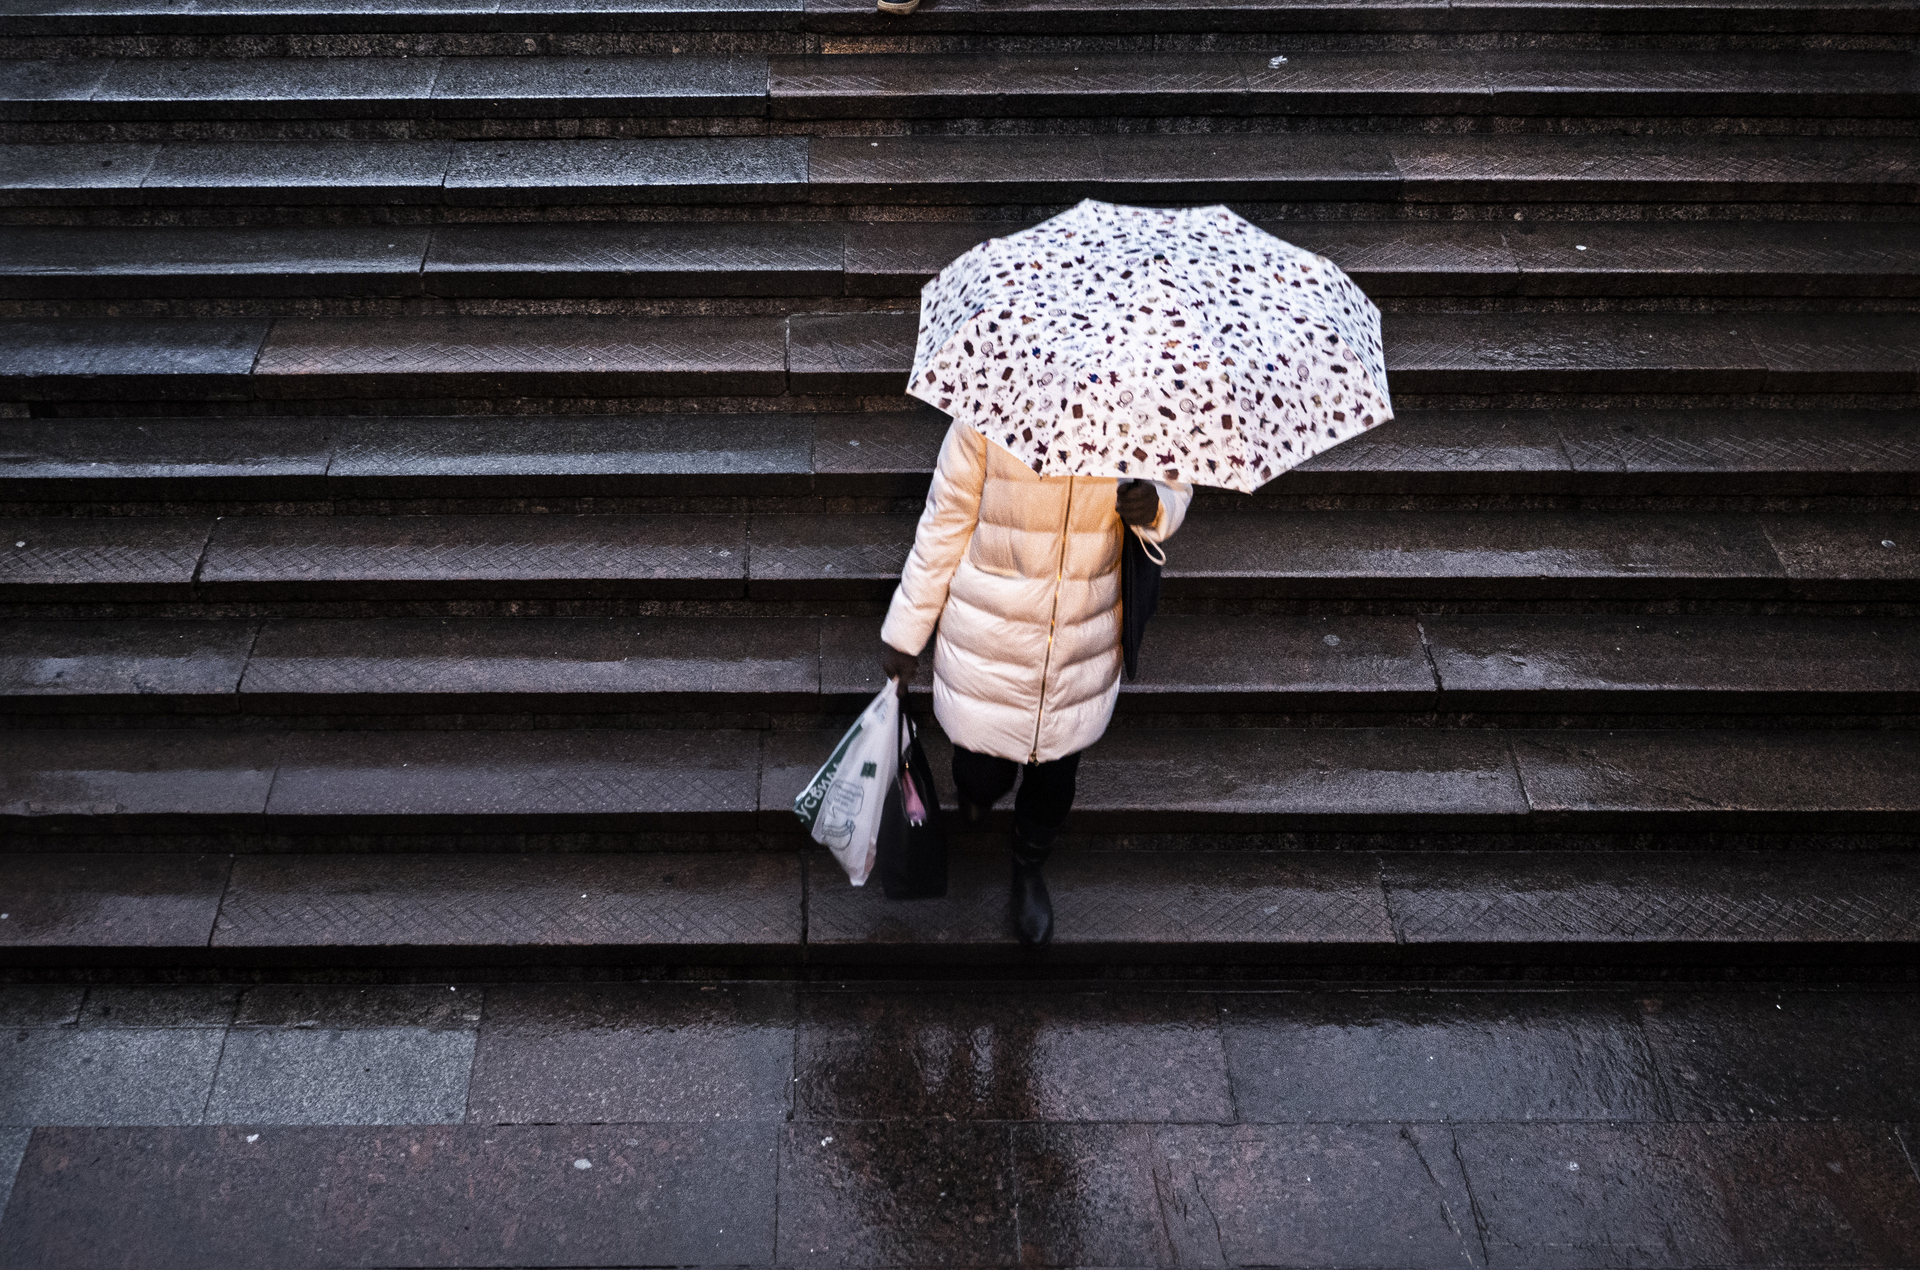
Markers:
(992, 170)
(829, 258)
(1389, 908)
(921, 85)
(1407, 556)
(543, 19)
(869, 354)
(90, 788)
(1449, 664)
(360, 464)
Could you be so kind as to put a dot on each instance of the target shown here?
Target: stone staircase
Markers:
(453, 465)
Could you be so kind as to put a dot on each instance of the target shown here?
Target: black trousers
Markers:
(1046, 790)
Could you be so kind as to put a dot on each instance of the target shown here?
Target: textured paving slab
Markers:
(133, 780)
(851, 352)
(965, 85)
(1338, 1058)
(60, 262)
(40, 175)
(1449, 452)
(1637, 1193)
(258, 88)
(131, 557)
(589, 665)
(1830, 556)
(918, 1054)
(552, 556)
(877, 452)
(529, 781)
(106, 1076)
(388, 907)
(1716, 451)
(690, 258)
(89, 905)
(1840, 353)
(561, 87)
(327, 172)
(1712, 258)
(1620, 900)
(687, 1194)
(1758, 780)
(1513, 555)
(702, 170)
(324, 1075)
(1589, 352)
(559, 356)
(1368, 1194)
(123, 665)
(635, 1053)
(80, 358)
(898, 258)
(115, 459)
(1156, 905)
(1587, 662)
(828, 556)
(1281, 663)
(578, 455)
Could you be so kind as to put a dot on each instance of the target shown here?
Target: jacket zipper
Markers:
(1046, 664)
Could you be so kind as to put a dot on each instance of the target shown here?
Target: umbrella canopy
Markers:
(1182, 345)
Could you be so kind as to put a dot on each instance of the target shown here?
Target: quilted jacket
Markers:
(1021, 573)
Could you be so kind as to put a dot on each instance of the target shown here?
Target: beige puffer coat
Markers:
(1022, 574)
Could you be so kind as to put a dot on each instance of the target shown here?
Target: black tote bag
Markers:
(911, 855)
(1139, 594)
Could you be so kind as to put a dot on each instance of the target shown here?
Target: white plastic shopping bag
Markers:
(841, 805)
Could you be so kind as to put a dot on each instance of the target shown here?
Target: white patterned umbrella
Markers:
(1183, 345)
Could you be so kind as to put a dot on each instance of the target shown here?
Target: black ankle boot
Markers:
(1032, 906)
(974, 815)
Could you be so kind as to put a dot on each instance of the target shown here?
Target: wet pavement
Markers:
(863, 1125)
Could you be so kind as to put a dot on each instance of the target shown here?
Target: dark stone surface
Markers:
(828, 556)
(57, 174)
(1836, 556)
(1507, 555)
(1714, 257)
(1221, 904)
(952, 169)
(324, 1075)
(1487, 167)
(116, 459)
(1446, 452)
(1222, 166)
(1311, 81)
(263, 88)
(1189, 781)
(509, 87)
(62, 262)
(298, 172)
(857, 1193)
(40, 89)
(1242, 1195)
(1787, 1055)
(547, 356)
(1750, 780)
(517, 456)
(99, 903)
(134, 779)
(899, 257)
(65, 358)
(876, 453)
(41, 1004)
(849, 676)
(587, 665)
(123, 665)
(634, 1054)
(691, 170)
(851, 352)
(1596, 662)
(1409, 258)
(1838, 352)
(449, 1195)
(412, 557)
(1281, 663)
(106, 1076)
(1720, 452)
(1570, 1195)
(159, 1006)
(1566, 352)
(715, 905)
(1674, 82)
(433, 1007)
(1655, 898)
(776, 258)
(518, 780)
(913, 1055)
(1455, 1056)
(921, 85)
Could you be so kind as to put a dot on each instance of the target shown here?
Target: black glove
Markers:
(1138, 503)
(899, 666)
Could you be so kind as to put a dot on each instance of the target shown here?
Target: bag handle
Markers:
(1153, 549)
